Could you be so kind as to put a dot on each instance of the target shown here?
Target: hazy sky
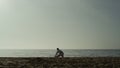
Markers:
(48, 24)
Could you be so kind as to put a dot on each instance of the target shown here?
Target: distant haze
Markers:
(67, 24)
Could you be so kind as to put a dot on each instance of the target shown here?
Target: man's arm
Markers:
(56, 53)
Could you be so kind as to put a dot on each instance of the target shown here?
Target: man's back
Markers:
(60, 51)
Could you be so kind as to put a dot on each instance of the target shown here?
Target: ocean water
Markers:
(67, 52)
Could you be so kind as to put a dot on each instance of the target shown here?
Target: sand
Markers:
(67, 62)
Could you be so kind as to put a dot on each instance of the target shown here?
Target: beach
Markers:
(67, 62)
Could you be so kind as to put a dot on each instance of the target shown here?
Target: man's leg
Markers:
(62, 55)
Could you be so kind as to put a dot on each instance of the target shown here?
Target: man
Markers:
(59, 53)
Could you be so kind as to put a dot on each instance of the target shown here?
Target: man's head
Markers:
(57, 48)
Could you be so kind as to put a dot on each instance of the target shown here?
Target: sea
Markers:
(67, 52)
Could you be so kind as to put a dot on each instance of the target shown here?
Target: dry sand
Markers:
(67, 62)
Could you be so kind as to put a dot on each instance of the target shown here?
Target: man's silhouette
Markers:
(59, 53)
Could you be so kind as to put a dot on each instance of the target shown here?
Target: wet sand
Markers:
(67, 62)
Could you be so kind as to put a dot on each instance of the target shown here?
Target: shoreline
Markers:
(67, 62)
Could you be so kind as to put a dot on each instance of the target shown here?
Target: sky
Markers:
(65, 24)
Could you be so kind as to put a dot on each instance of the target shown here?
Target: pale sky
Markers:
(67, 24)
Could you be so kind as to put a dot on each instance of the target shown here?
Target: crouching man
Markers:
(59, 53)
